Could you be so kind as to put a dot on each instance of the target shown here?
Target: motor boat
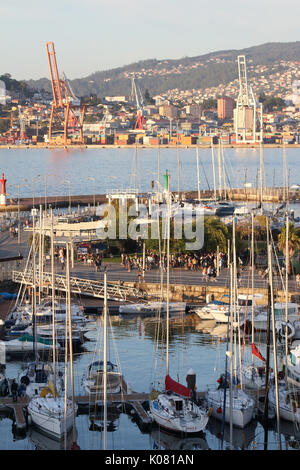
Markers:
(152, 308)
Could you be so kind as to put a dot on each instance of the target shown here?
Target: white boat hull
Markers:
(153, 307)
(178, 424)
(241, 416)
(55, 425)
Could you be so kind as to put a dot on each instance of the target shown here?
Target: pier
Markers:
(276, 194)
(85, 403)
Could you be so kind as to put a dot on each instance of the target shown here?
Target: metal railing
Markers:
(94, 288)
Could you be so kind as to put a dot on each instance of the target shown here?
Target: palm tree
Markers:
(293, 242)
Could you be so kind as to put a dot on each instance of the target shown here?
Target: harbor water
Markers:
(59, 171)
(193, 345)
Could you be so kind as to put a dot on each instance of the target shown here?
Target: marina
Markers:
(139, 308)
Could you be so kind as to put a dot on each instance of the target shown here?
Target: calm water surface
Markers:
(115, 169)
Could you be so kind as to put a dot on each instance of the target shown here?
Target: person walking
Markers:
(14, 390)
(62, 262)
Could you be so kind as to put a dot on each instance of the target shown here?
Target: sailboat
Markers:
(52, 413)
(102, 376)
(253, 376)
(174, 409)
(239, 409)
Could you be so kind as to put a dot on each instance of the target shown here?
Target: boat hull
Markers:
(240, 416)
(55, 426)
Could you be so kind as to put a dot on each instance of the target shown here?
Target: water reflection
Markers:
(161, 440)
(41, 441)
(241, 438)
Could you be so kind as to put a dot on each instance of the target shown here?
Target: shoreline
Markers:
(143, 146)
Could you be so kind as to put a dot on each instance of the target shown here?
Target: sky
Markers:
(93, 35)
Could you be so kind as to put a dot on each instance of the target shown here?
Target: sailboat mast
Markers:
(213, 168)
(252, 281)
(287, 261)
(274, 342)
(231, 348)
(53, 302)
(70, 333)
(198, 173)
(168, 275)
(219, 167)
(178, 171)
(234, 292)
(105, 362)
(34, 288)
(261, 175)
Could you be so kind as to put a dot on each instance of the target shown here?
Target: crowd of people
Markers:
(207, 264)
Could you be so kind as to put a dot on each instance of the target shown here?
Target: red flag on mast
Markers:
(256, 353)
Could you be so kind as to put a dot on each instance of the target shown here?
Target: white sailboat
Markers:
(102, 376)
(238, 410)
(173, 409)
(51, 413)
(288, 403)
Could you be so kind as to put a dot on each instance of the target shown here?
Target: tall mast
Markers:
(178, 171)
(34, 288)
(231, 348)
(168, 274)
(53, 303)
(70, 335)
(261, 176)
(274, 342)
(105, 362)
(252, 281)
(234, 292)
(287, 262)
(40, 255)
(213, 168)
(198, 173)
(219, 167)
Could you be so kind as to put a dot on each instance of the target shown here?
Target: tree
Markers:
(209, 104)
(216, 234)
(293, 242)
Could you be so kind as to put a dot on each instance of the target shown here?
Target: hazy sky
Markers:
(91, 35)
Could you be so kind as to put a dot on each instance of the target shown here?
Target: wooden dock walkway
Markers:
(18, 410)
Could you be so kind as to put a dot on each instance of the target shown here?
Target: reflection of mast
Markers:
(66, 113)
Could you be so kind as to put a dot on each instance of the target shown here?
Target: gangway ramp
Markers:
(88, 287)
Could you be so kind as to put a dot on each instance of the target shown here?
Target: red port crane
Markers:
(67, 114)
(135, 92)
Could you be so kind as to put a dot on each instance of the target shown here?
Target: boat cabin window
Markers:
(99, 367)
(40, 376)
(179, 405)
(281, 311)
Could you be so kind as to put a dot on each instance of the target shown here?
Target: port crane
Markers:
(247, 118)
(67, 114)
(138, 97)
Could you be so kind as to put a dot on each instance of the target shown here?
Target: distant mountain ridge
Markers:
(159, 76)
